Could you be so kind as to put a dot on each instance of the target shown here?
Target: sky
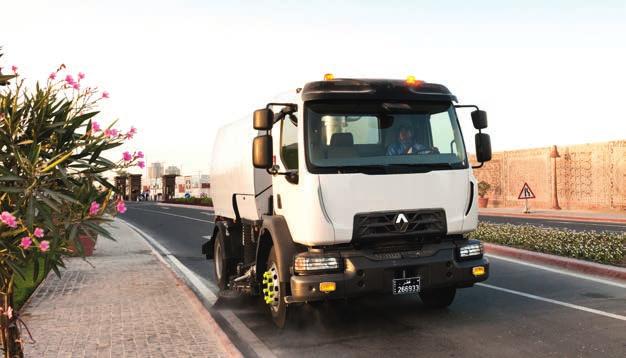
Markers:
(547, 72)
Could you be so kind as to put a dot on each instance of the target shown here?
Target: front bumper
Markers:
(367, 274)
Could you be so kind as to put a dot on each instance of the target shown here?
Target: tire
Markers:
(224, 267)
(439, 297)
(278, 309)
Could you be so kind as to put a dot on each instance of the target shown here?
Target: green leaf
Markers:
(56, 270)
(50, 203)
(10, 177)
(30, 212)
(10, 189)
(16, 268)
(60, 196)
(99, 229)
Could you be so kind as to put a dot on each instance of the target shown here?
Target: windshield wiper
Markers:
(428, 166)
(366, 169)
(397, 168)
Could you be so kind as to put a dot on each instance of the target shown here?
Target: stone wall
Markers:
(589, 176)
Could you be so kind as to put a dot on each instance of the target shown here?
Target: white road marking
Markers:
(206, 237)
(164, 207)
(547, 222)
(549, 300)
(180, 216)
(202, 289)
(562, 272)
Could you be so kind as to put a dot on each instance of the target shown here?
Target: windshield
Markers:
(383, 137)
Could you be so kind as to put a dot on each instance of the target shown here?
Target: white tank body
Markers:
(232, 173)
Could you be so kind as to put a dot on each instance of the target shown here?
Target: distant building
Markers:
(193, 185)
(172, 170)
(155, 170)
(190, 185)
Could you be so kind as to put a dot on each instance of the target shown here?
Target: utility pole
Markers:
(555, 198)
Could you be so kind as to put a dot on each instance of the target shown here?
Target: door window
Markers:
(289, 144)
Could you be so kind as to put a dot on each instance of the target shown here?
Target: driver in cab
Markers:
(407, 145)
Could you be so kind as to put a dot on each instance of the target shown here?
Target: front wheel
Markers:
(274, 291)
(224, 267)
(438, 297)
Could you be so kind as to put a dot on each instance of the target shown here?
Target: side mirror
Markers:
(479, 118)
(262, 152)
(483, 147)
(263, 119)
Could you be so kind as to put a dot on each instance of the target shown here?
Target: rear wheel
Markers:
(274, 291)
(438, 297)
(224, 267)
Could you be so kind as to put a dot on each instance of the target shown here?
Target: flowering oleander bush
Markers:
(603, 247)
(53, 184)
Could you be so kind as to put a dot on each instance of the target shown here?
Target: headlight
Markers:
(472, 251)
(317, 263)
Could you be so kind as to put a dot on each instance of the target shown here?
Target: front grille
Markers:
(419, 224)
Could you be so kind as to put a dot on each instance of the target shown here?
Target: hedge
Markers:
(192, 201)
(599, 246)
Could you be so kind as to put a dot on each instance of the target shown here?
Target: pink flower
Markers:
(38, 232)
(139, 155)
(111, 133)
(44, 246)
(76, 85)
(53, 75)
(121, 207)
(127, 157)
(131, 133)
(141, 164)
(95, 126)
(69, 79)
(14, 69)
(105, 94)
(25, 242)
(93, 208)
(8, 219)
(81, 76)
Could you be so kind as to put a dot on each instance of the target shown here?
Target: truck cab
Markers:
(350, 187)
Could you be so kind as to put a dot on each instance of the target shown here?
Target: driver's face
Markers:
(405, 135)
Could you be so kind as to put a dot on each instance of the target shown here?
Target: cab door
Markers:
(286, 187)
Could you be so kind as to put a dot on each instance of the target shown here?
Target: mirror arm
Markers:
(291, 176)
(478, 166)
(467, 106)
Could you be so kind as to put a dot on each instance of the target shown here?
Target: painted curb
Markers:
(556, 217)
(590, 268)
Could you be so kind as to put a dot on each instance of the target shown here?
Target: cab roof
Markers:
(375, 89)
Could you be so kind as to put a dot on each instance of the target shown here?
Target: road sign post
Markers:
(526, 194)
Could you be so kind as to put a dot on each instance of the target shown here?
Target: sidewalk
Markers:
(129, 305)
(576, 215)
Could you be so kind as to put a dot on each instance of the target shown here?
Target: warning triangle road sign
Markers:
(526, 192)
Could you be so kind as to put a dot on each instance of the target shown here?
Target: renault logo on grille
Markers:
(401, 222)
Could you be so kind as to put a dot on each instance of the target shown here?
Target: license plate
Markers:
(402, 286)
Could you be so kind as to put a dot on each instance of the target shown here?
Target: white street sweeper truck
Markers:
(350, 187)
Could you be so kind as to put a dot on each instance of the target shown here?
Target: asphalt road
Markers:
(556, 223)
(522, 310)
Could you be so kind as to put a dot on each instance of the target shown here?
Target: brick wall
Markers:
(589, 176)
